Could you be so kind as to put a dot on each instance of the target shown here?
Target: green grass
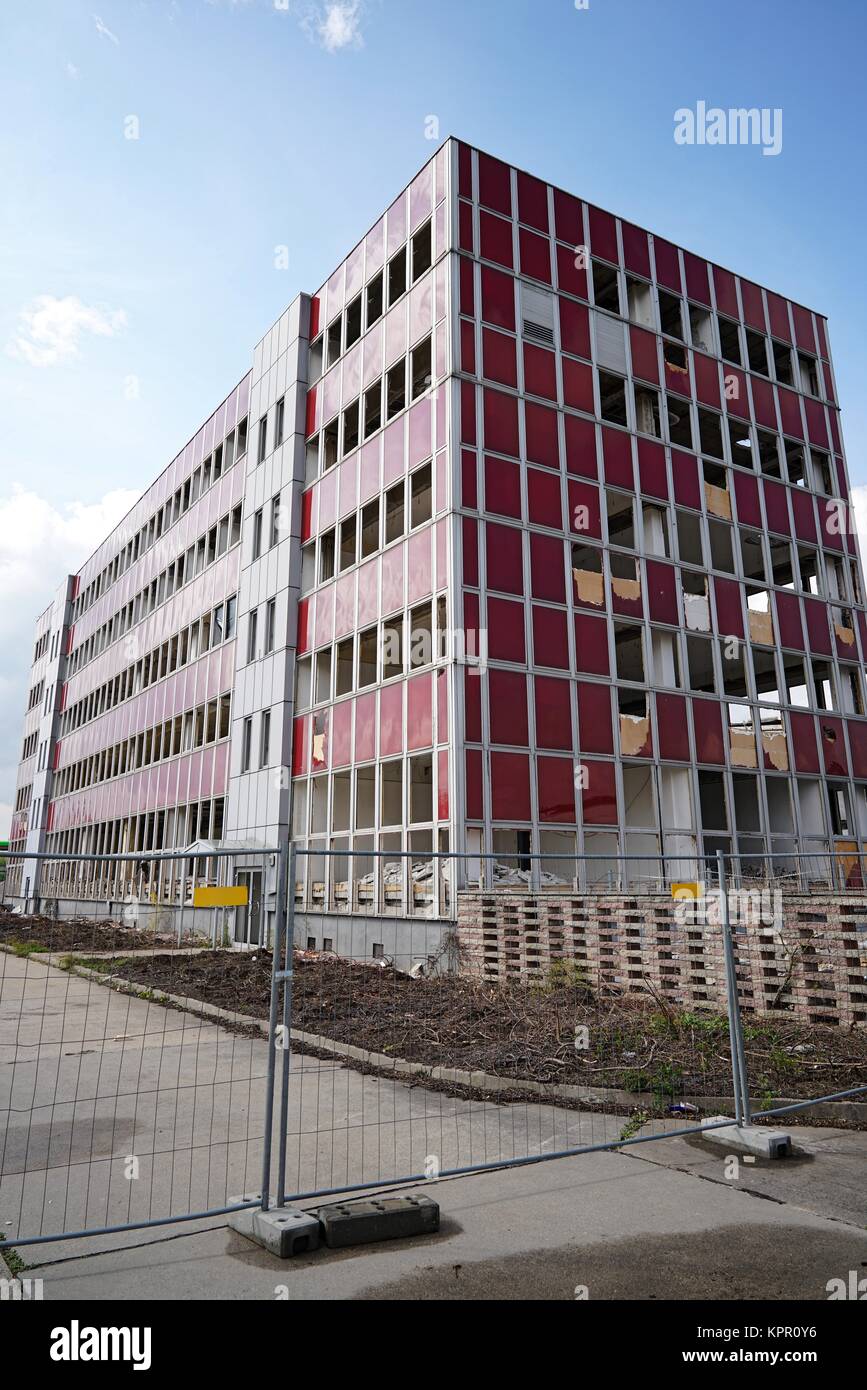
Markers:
(14, 1262)
(100, 964)
(28, 948)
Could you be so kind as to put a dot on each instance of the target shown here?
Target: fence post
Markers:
(736, 1037)
(286, 896)
(276, 979)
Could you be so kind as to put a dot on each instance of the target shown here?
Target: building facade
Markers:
(528, 533)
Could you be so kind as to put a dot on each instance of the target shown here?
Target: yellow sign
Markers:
(237, 896)
(686, 890)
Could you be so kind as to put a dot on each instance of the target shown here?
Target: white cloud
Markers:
(39, 545)
(50, 329)
(71, 71)
(340, 26)
(335, 24)
(104, 31)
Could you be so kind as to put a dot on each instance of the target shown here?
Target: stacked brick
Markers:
(812, 965)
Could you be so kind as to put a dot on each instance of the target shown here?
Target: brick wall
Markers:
(813, 965)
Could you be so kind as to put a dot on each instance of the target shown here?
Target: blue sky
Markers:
(136, 275)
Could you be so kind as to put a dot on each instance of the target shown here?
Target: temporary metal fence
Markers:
(179, 1079)
(119, 1107)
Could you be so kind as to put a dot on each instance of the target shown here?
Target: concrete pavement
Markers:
(611, 1223)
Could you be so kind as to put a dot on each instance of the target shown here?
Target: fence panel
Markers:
(190, 1028)
(123, 1100)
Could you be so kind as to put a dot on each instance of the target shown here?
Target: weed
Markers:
(636, 1121)
(12, 1259)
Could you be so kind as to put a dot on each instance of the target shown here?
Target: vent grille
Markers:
(537, 315)
(540, 332)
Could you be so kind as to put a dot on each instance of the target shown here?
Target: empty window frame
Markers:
(768, 446)
(350, 427)
(740, 442)
(620, 509)
(647, 411)
(395, 389)
(639, 299)
(421, 638)
(671, 314)
(606, 289)
(372, 409)
(391, 793)
(795, 687)
(665, 659)
(612, 398)
(701, 328)
(322, 692)
(348, 542)
(655, 525)
(331, 444)
(421, 496)
(729, 340)
(314, 360)
(765, 675)
(397, 276)
(808, 374)
(752, 555)
(394, 512)
(733, 667)
(422, 251)
(679, 420)
(353, 322)
(699, 653)
(334, 338)
(326, 556)
(757, 351)
(796, 462)
(689, 546)
(370, 528)
(782, 572)
(721, 537)
(823, 479)
(374, 299)
(421, 368)
(344, 660)
(782, 354)
(629, 652)
(392, 647)
(710, 432)
(367, 643)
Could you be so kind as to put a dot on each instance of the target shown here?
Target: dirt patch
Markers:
(39, 934)
(558, 1032)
